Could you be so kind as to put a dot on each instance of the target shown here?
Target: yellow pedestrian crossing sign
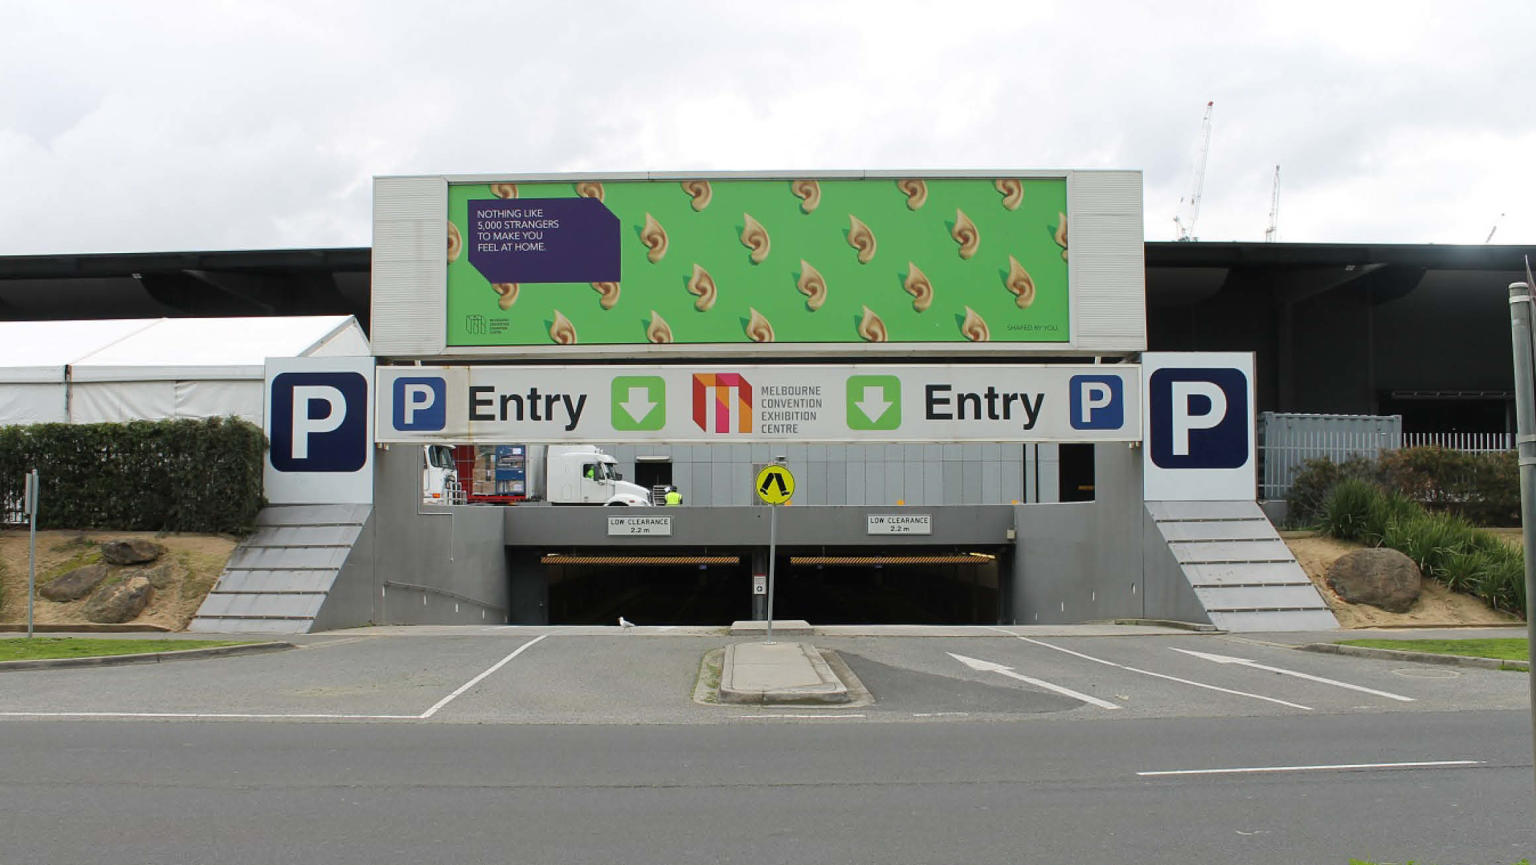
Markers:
(775, 484)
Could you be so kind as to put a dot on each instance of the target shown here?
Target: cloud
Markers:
(248, 125)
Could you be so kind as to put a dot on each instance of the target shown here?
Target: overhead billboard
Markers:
(759, 403)
(816, 262)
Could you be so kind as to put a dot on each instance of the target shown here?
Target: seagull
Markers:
(625, 623)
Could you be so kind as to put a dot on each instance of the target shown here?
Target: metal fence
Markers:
(1470, 442)
(1287, 441)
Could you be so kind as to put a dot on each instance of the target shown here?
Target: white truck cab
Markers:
(584, 475)
(439, 477)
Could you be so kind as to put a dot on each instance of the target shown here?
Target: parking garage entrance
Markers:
(825, 586)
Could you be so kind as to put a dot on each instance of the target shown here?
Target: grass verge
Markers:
(1506, 649)
(43, 648)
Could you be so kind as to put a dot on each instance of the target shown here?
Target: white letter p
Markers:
(1184, 421)
(304, 426)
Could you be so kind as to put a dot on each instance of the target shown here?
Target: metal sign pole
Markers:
(773, 540)
(29, 498)
(1520, 315)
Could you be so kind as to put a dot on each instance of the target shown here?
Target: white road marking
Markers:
(1152, 674)
(478, 679)
(941, 714)
(293, 716)
(1228, 659)
(1249, 770)
(800, 717)
(992, 667)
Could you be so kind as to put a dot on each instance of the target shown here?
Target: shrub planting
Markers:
(174, 476)
(1446, 547)
(1483, 488)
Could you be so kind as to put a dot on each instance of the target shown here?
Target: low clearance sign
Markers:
(746, 403)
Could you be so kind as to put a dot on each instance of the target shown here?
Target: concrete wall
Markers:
(1071, 562)
(432, 564)
(560, 528)
(1168, 592)
(352, 600)
(1082, 561)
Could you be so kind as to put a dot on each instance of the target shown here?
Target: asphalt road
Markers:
(470, 746)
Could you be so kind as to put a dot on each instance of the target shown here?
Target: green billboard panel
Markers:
(817, 262)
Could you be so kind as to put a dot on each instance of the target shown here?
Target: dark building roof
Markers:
(1336, 327)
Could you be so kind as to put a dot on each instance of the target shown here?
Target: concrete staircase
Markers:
(1239, 568)
(278, 578)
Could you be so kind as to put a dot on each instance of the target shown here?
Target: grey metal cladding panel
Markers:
(703, 485)
(1107, 264)
(1208, 530)
(720, 487)
(281, 558)
(954, 484)
(1238, 510)
(1229, 573)
(1231, 551)
(312, 515)
(1013, 483)
(260, 604)
(837, 483)
(1289, 620)
(874, 483)
(933, 482)
(409, 276)
(1218, 598)
(899, 483)
(817, 484)
(1106, 192)
(855, 485)
(970, 483)
(992, 483)
(276, 581)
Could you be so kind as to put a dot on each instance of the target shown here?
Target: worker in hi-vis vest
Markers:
(673, 498)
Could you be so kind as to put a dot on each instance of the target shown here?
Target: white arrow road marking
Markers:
(1150, 673)
(639, 403)
(1228, 659)
(1244, 770)
(990, 667)
(874, 404)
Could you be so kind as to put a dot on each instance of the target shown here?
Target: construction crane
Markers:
(1273, 230)
(1190, 206)
(1494, 229)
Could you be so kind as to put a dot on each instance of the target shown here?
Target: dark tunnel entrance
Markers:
(824, 586)
(912, 587)
(667, 588)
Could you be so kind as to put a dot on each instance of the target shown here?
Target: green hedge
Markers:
(1445, 546)
(1483, 488)
(175, 476)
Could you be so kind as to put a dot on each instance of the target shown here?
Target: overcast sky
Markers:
(242, 125)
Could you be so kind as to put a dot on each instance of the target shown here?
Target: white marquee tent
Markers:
(152, 369)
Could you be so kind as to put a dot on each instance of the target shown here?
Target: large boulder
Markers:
(1380, 577)
(134, 551)
(119, 602)
(74, 585)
